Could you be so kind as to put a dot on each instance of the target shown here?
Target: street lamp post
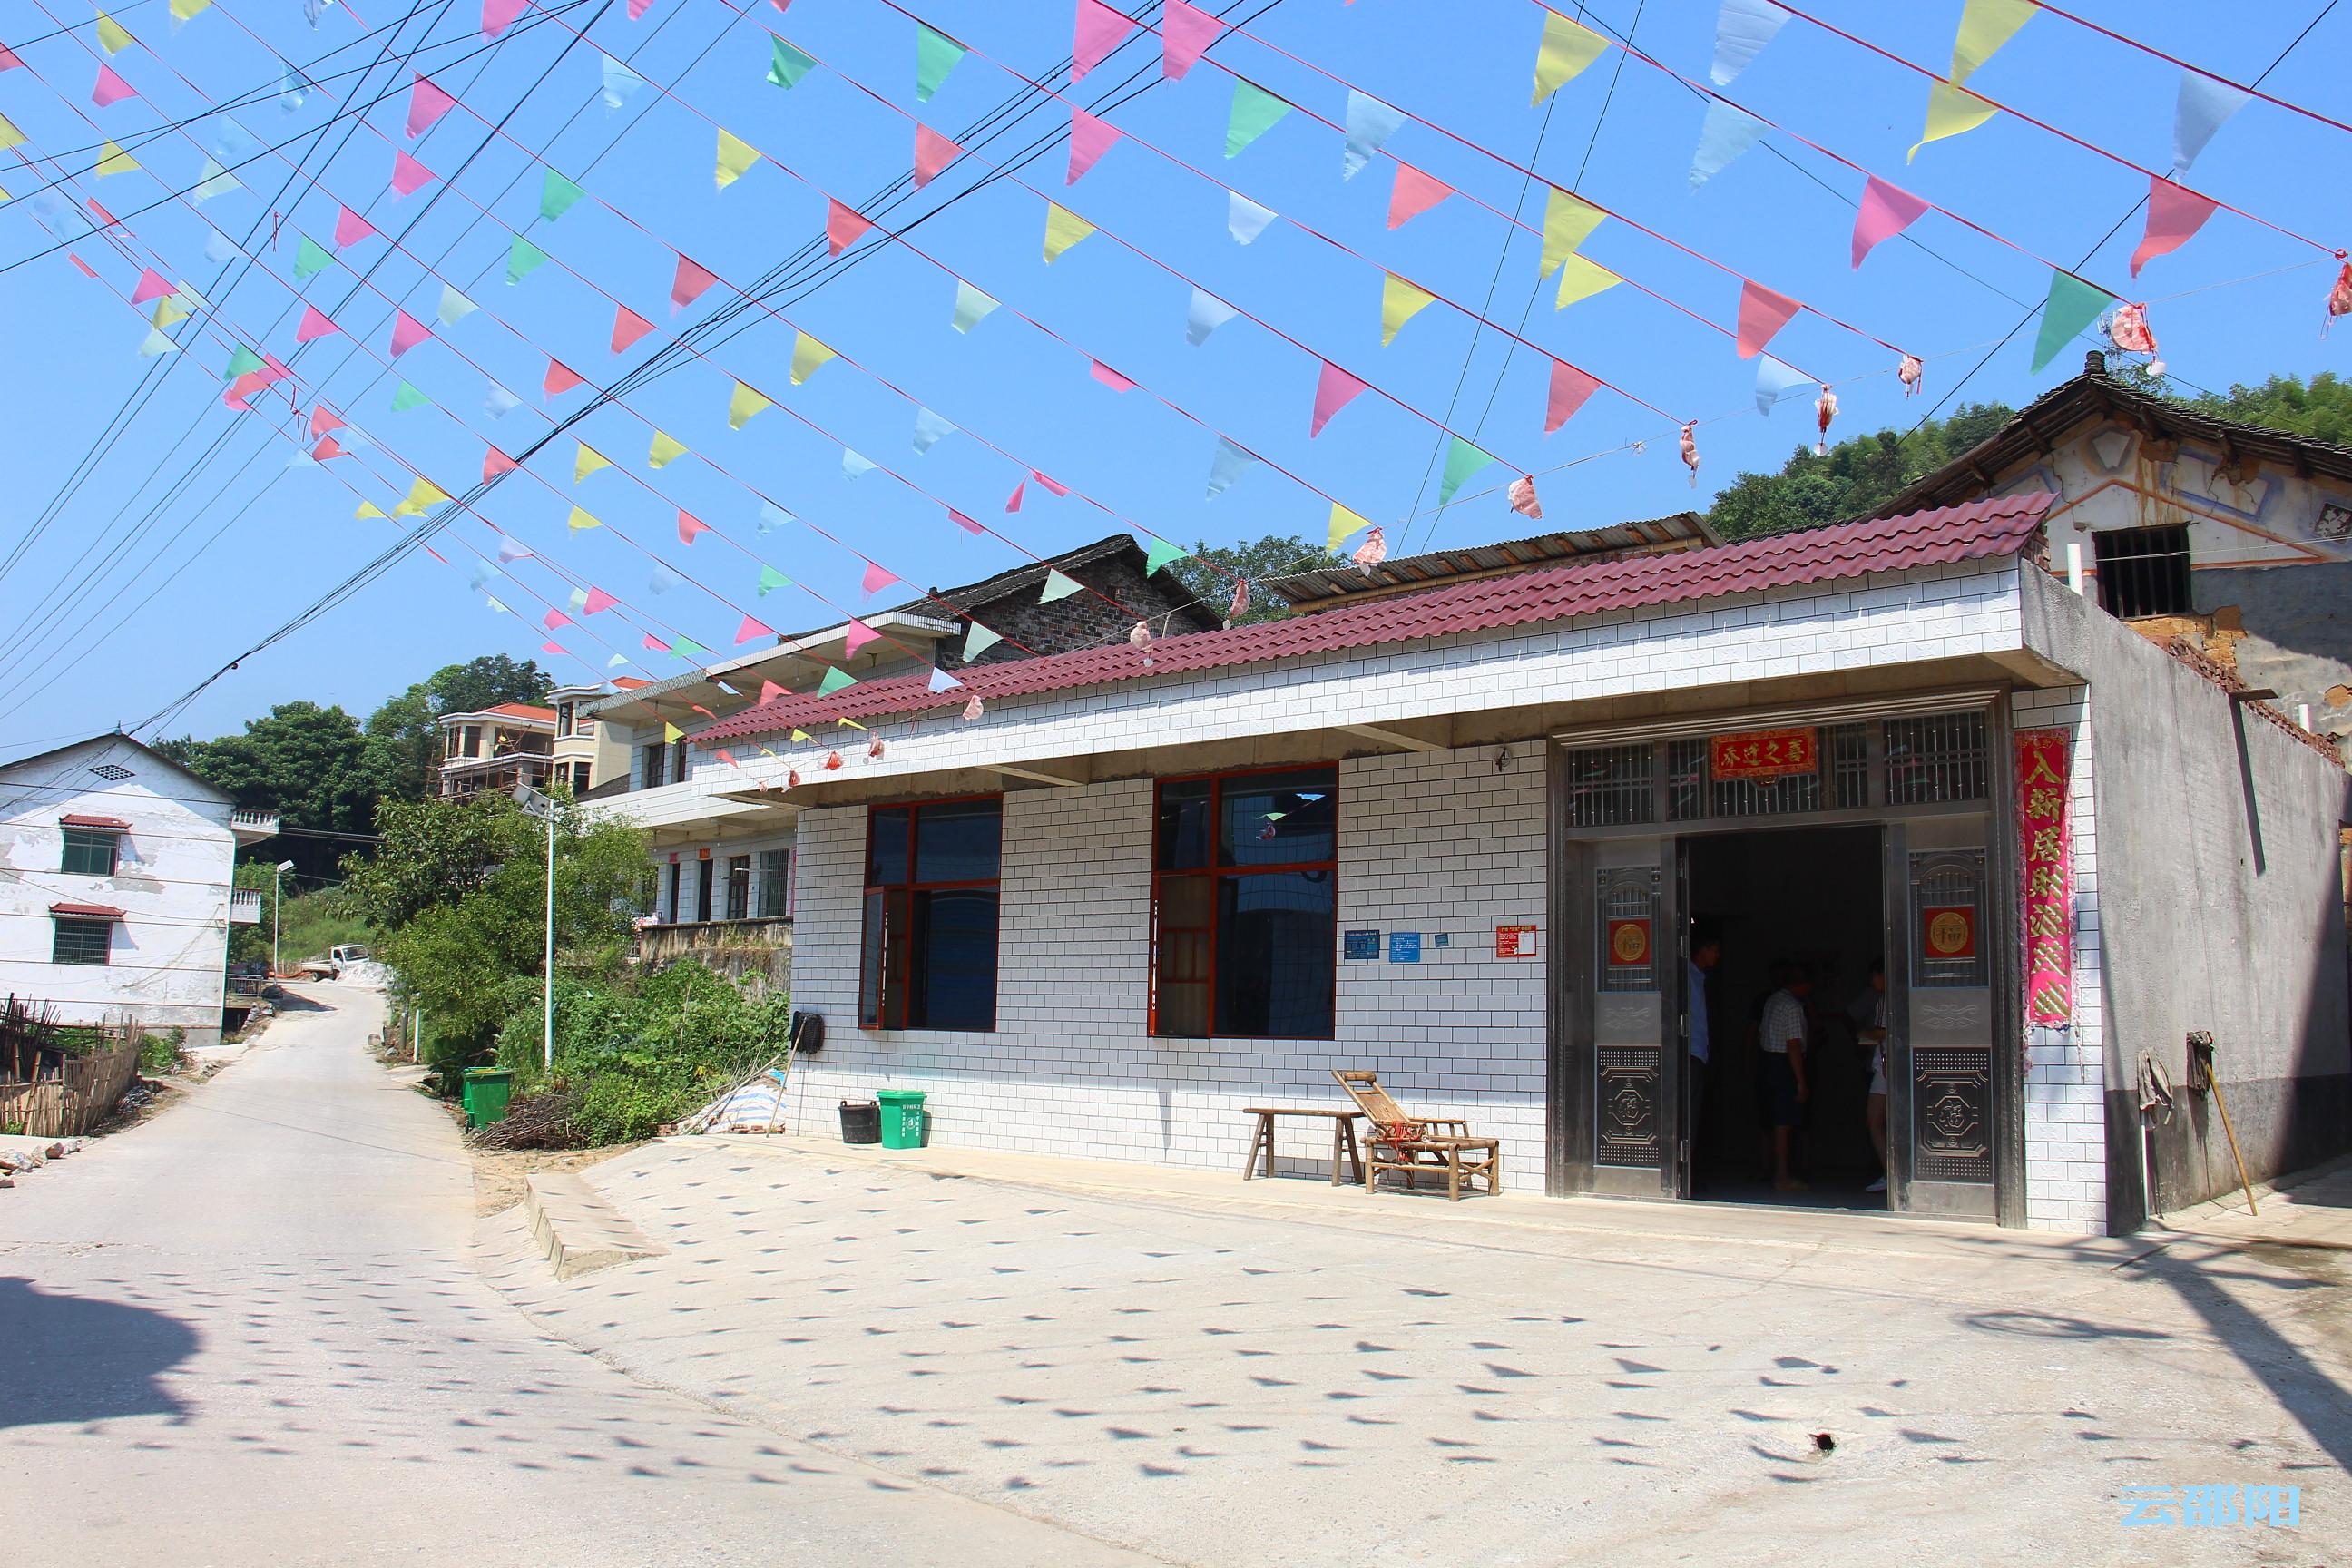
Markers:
(542, 806)
(277, 897)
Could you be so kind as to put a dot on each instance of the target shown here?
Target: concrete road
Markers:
(251, 1331)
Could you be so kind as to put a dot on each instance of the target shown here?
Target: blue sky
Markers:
(139, 586)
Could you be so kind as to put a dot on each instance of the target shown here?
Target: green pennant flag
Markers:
(406, 398)
(1462, 461)
(244, 362)
(556, 195)
(971, 307)
(936, 54)
(792, 65)
(1255, 110)
(311, 259)
(523, 258)
(2072, 306)
(977, 639)
(1058, 585)
(771, 579)
(687, 647)
(835, 679)
(1161, 553)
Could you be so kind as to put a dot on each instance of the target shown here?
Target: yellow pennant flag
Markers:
(1064, 228)
(421, 494)
(808, 355)
(748, 401)
(579, 519)
(1567, 49)
(168, 310)
(113, 160)
(9, 135)
(848, 724)
(110, 36)
(671, 732)
(801, 736)
(665, 451)
(1400, 302)
(188, 11)
(736, 157)
(1582, 278)
(1951, 112)
(1985, 26)
(587, 462)
(1343, 523)
(4, 197)
(1569, 222)
(369, 508)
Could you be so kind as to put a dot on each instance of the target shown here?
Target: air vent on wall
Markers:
(113, 773)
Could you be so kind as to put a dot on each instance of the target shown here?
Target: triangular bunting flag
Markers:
(1581, 278)
(408, 176)
(688, 283)
(498, 16)
(422, 494)
(1343, 523)
(153, 285)
(586, 461)
(1184, 32)
(523, 258)
(1569, 388)
(1334, 390)
(770, 581)
(835, 679)
(111, 88)
(978, 639)
(941, 680)
(1162, 552)
(596, 602)
(1229, 461)
(627, 328)
(1245, 219)
(747, 402)
(1762, 313)
(154, 343)
(556, 197)
(936, 55)
(736, 157)
(1206, 314)
(495, 462)
(580, 520)
(1462, 461)
(1726, 133)
(1885, 211)
(1414, 193)
(1985, 26)
(930, 429)
(1567, 49)
(664, 451)
(311, 259)
(1740, 34)
(1569, 222)
(855, 636)
(1256, 112)
(1400, 302)
(2072, 306)
(454, 306)
(351, 228)
(2203, 106)
(970, 306)
(1775, 382)
(1090, 138)
(690, 527)
(1064, 228)
(1097, 31)
(876, 578)
(314, 326)
(621, 83)
(1951, 111)
(408, 398)
(112, 38)
(933, 152)
(856, 465)
(844, 226)
(1109, 377)
(113, 160)
(751, 628)
(2175, 212)
(213, 181)
(1370, 124)
(966, 523)
(790, 64)
(808, 357)
(560, 378)
(768, 692)
(426, 103)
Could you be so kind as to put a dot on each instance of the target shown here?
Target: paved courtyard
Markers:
(1219, 1374)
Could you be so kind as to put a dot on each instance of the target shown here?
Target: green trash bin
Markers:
(902, 1118)
(487, 1092)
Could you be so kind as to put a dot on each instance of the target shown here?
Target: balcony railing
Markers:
(245, 907)
(253, 824)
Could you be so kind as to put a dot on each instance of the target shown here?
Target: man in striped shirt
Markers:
(1781, 1038)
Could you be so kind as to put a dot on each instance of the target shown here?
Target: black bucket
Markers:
(861, 1122)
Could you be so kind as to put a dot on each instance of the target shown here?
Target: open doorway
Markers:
(1785, 902)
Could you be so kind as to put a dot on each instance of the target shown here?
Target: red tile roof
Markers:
(522, 711)
(629, 682)
(113, 822)
(2001, 526)
(86, 911)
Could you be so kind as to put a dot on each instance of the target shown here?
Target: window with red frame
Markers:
(928, 957)
(1244, 906)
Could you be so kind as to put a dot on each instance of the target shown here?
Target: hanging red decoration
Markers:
(1825, 409)
(1690, 451)
(2127, 329)
(1909, 373)
(1523, 500)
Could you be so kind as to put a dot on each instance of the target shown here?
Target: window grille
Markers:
(1937, 757)
(2144, 571)
(1947, 914)
(1609, 786)
(1627, 929)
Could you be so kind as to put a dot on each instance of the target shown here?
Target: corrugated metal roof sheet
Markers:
(2001, 526)
(1331, 585)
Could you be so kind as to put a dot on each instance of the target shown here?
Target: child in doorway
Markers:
(1781, 1039)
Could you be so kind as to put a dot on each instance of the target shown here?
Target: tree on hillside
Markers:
(302, 760)
(1858, 475)
(403, 736)
(2320, 408)
(1273, 556)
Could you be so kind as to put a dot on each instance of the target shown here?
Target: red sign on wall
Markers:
(1629, 944)
(2049, 875)
(1763, 754)
(1514, 942)
(1949, 931)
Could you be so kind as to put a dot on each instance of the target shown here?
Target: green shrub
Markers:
(161, 1054)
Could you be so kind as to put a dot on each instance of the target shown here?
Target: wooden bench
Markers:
(1343, 1138)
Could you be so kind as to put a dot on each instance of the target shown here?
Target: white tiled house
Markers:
(115, 895)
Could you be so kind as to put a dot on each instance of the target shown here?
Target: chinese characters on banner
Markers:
(1762, 754)
(2049, 876)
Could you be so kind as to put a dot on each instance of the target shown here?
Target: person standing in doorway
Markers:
(1781, 1039)
(1706, 952)
(1874, 1035)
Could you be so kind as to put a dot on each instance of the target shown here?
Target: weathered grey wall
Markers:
(2221, 908)
(733, 948)
(2298, 633)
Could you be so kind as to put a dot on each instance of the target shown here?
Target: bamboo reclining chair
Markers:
(1414, 1146)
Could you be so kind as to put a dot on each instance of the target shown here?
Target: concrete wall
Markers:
(1447, 842)
(739, 949)
(2219, 903)
(167, 962)
(2289, 630)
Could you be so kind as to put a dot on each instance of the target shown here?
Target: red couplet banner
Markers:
(2049, 875)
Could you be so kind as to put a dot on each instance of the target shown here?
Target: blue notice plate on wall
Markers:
(1361, 944)
(1404, 947)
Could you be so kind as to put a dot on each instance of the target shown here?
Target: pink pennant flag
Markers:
(724, 755)
(878, 578)
(654, 645)
(750, 629)
(627, 327)
(1885, 211)
(314, 326)
(2174, 214)
(967, 524)
(1184, 32)
(351, 228)
(1090, 138)
(637, 8)
(498, 16)
(408, 176)
(933, 152)
(87, 269)
(327, 446)
(1414, 195)
(1762, 313)
(323, 419)
(597, 602)
(273, 369)
(1099, 31)
(554, 618)
(1334, 390)
(8, 60)
(1049, 482)
(689, 526)
(770, 691)
(556, 649)
(560, 378)
(1110, 377)
(686, 286)
(111, 88)
(426, 103)
(844, 226)
(495, 462)
(152, 286)
(407, 332)
(857, 636)
(1012, 502)
(239, 395)
(1569, 388)
(105, 219)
